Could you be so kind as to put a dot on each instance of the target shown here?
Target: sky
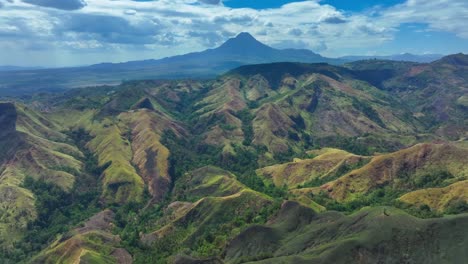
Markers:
(58, 33)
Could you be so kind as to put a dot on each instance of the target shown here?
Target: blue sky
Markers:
(349, 5)
(80, 32)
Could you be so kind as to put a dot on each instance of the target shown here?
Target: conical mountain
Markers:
(241, 50)
(244, 43)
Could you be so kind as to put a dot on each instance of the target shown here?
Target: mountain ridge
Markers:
(243, 49)
(250, 166)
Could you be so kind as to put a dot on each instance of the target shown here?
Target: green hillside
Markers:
(372, 235)
(274, 163)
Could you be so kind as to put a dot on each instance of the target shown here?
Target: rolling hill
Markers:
(282, 162)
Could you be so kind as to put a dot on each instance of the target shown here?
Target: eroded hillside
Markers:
(251, 166)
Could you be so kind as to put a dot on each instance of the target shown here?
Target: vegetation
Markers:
(342, 170)
(246, 117)
(283, 162)
(59, 210)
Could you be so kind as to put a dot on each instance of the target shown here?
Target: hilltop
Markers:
(283, 161)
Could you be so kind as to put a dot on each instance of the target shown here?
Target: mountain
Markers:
(34, 150)
(241, 50)
(425, 58)
(17, 68)
(435, 91)
(372, 235)
(279, 162)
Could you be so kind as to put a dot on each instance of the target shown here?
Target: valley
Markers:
(283, 162)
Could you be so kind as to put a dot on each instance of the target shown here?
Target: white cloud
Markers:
(62, 4)
(152, 29)
(440, 15)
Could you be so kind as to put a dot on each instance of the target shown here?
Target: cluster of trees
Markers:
(457, 207)
(365, 145)
(384, 196)
(246, 117)
(387, 196)
(189, 155)
(436, 178)
(58, 210)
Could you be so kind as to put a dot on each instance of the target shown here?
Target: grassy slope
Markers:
(39, 152)
(319, 101)
(439, 199)
(127, 125)
(209, 203)
(120, 180)
(327, 163)
(207, 181)
(433, 91)
(372, 235)
(92, 243)
(289, 110)
(403, 170)
(216, 114)
(149, 155)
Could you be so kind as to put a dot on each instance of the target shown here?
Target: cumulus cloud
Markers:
(441, 15)
(209, 38)
(211, 2)
(130, 12)
(295, 32)
(334, 20)
(59, 4)
(136, 29)
(109, 29)
(2, 4)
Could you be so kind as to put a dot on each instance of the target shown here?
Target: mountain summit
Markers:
(238, 51)
(244, 43)
(245, 49)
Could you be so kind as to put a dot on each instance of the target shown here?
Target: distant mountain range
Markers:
(18, 68)
(244, 49)
(425, 58)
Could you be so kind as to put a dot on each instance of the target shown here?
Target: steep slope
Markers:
(297, 105)
(377, 235)
(434, 91)
(421, 166)
(328, 164)
(208, 203)
(126, 130)
(121, 181)
(196, 171)
(92, 243)
(217, 113)
(150, 156)
(288, 107)
(440, 199)
(30, 147)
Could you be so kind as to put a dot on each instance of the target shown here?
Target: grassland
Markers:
(250, 167)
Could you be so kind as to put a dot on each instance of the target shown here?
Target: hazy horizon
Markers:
(66, 33)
